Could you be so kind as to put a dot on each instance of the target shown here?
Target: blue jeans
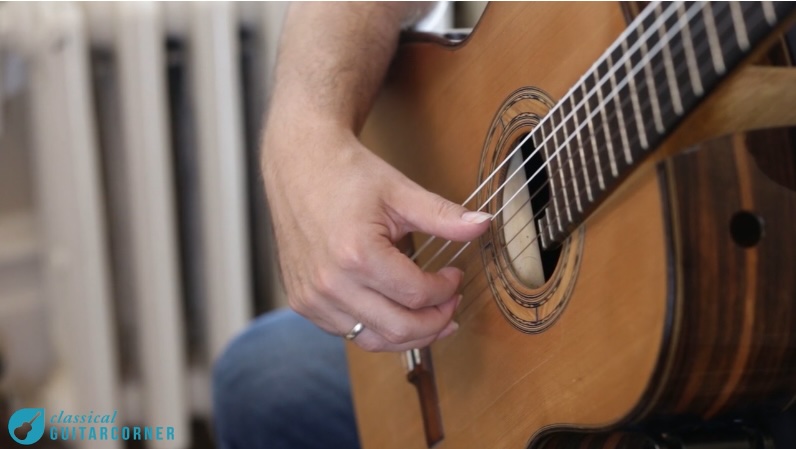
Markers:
(283, 383)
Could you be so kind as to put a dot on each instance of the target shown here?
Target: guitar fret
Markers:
(567, 141)
(551, 170)
(579, 139)
(667, 63)
(544, 221)
(693, 67)
(642, 133)
(558, 156)
(740, 26)
(646, 135)
(656, 108)
(680, 47)
(620, 116)
(690, 57)
(592, 137)
(768, 11)
(755, 22)
(537, 137)
(725, 27)
(713, 40)
(705, 68)
(606, 131)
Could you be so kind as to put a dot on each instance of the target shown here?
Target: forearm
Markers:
(337, 208)
(332, 59)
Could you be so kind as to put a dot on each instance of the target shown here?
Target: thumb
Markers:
(426, 212)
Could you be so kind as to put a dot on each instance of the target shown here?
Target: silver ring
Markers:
(356, 330)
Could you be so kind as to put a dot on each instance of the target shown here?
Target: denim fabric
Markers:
(283, 383)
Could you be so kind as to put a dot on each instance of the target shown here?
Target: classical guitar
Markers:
(22, 431)
(638, 276)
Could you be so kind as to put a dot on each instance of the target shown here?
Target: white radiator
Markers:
(149, 247)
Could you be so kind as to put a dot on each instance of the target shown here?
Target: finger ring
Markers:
(356, 330)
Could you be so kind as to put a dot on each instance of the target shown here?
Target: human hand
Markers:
(338, 211)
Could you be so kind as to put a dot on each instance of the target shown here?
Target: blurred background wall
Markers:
(134, 236)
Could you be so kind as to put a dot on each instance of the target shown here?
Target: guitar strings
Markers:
(468, 260)
(622, 38)
(610, 97)
(474, 256)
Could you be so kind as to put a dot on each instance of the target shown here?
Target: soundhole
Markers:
(746, 229)
(531, 285)
(523, 202)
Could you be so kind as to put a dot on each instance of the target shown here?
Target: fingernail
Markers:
(449, 330)
(458, 301)
(476, 217)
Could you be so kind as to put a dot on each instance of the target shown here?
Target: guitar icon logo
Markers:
(26, 425)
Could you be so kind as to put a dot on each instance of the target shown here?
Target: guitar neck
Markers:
(658, 70)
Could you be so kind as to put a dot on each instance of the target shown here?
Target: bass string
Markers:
(474, 255)
(622, 38)
(579, 171)
(623, 103)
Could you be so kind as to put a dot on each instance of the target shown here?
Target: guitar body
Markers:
(655, 309)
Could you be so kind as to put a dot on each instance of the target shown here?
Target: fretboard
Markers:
(658, 70)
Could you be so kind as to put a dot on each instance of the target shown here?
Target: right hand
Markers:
(338, 211)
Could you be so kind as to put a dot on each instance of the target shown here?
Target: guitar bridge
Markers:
(421, 375)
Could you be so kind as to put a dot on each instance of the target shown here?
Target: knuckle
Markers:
(326, 282)
(415, 299)
(397, 333)
(350, 257)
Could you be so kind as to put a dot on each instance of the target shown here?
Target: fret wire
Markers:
(768, 11)
(740, 26)
(647, 13)
(705, 69)
(606, 131)
(582, 153)
(696, 79)
(728, 44)
(593, 138)
(755, 22)
(551, 175)
(601, 101)
(570, 162)
(656, 109)
(562, 191)
(599, 92)
(620, 118)
(682, 70)
(638, 117)
(713, 40)
(725, 28)
(512, 238)
(644, 36)
(667, 61)
(671, 54)
(599, 81)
